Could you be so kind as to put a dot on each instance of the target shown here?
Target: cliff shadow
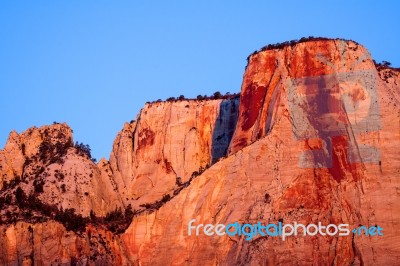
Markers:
(224, 128)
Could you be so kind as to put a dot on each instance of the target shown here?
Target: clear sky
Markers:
(93, 64)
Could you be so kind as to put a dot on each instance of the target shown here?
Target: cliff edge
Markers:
(313, 138)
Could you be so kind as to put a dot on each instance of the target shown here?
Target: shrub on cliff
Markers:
(171, 99)
(166, 198)
(53, 153)
(129, 213)
(20, 196)
(84, 150)
(71, 220)
(38, 186)
(117, 221)
(217, 95)
(115, 215)
(294, 42)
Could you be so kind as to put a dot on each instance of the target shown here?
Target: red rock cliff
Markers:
(316, 140)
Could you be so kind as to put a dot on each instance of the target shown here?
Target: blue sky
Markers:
(93, 64)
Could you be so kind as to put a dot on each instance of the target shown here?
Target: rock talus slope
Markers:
(316, 140)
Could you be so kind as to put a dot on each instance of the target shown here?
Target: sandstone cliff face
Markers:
(26, 145)
(286, 163)
(45, 159)
(358, 188)
(169, 142)
(268, 73)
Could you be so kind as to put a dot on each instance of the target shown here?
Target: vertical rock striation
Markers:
(314, 138)
(167, 143)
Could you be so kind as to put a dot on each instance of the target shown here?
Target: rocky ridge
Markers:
(222, 161)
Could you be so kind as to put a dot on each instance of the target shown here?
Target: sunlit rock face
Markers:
(320, 79)
(314, 138)
(45, 160)
(168, 142)
(308, 148)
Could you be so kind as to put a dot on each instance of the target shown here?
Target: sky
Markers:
(94, 64)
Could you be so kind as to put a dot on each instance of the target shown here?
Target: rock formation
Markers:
(167, 143)
(314, 138)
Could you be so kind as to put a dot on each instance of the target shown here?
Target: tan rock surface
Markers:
(46, 156)
(234, 189)
(170, 140)
(263, 178)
